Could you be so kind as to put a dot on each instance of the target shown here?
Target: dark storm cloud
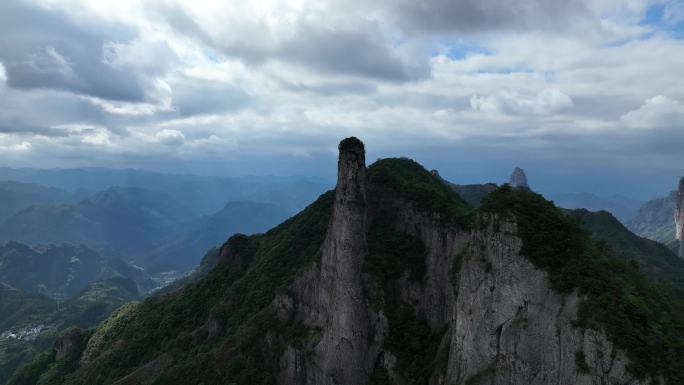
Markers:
(351, 51)
(206, 97)
(47, 49)
(332, 88)
(445, 16)
(12, 127)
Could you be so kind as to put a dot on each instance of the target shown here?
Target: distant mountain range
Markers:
(62, 270)
(17, 196)
(158, 221)
(621, 207)
(180, 251)
(118, 221)
(203, 194)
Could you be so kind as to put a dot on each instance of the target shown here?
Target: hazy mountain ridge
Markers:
(137, 219)
(179, 252)
(394, 279)
(207, 194)
(623, 208)
(139, 225)
(62, 270)
(117, 221)
(17, 196)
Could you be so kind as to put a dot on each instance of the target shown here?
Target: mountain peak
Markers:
(518, 178)
(351, 171)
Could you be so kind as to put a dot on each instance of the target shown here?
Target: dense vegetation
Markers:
(225, 314)
(473, 193)
(390, 255)
(349, 143)
(636, 315)
(426, 190)
(46, 371)
(655, 259)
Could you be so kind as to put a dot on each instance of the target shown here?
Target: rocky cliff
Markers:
(509, 326)
(679, 217)
(330, 296)
(496, 315)
(518, 178)
(655, 221)
(394, 279)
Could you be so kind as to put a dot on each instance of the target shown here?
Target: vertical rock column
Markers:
(518, 178)
(679, 217)
(344, 343)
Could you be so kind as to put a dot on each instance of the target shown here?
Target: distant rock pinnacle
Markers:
(518, 178)
(679, 217)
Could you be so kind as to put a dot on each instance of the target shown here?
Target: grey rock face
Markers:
(510, 327)
(504, 323)
(330, 295)
(344, 343)
(679, 217)
(518, 178)
(655, 220)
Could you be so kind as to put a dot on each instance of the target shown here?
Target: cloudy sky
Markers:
(586, 95)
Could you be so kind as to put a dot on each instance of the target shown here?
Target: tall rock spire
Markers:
(679, 217)
(518, 178)
(345, 339)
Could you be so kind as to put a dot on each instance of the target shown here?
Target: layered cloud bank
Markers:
(215, 85)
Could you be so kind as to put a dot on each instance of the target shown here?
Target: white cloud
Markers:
(656, 112)
(170, 137)
(150, 54)
(545, 102)
(12, 145)
(3, 74)
(97, 136)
